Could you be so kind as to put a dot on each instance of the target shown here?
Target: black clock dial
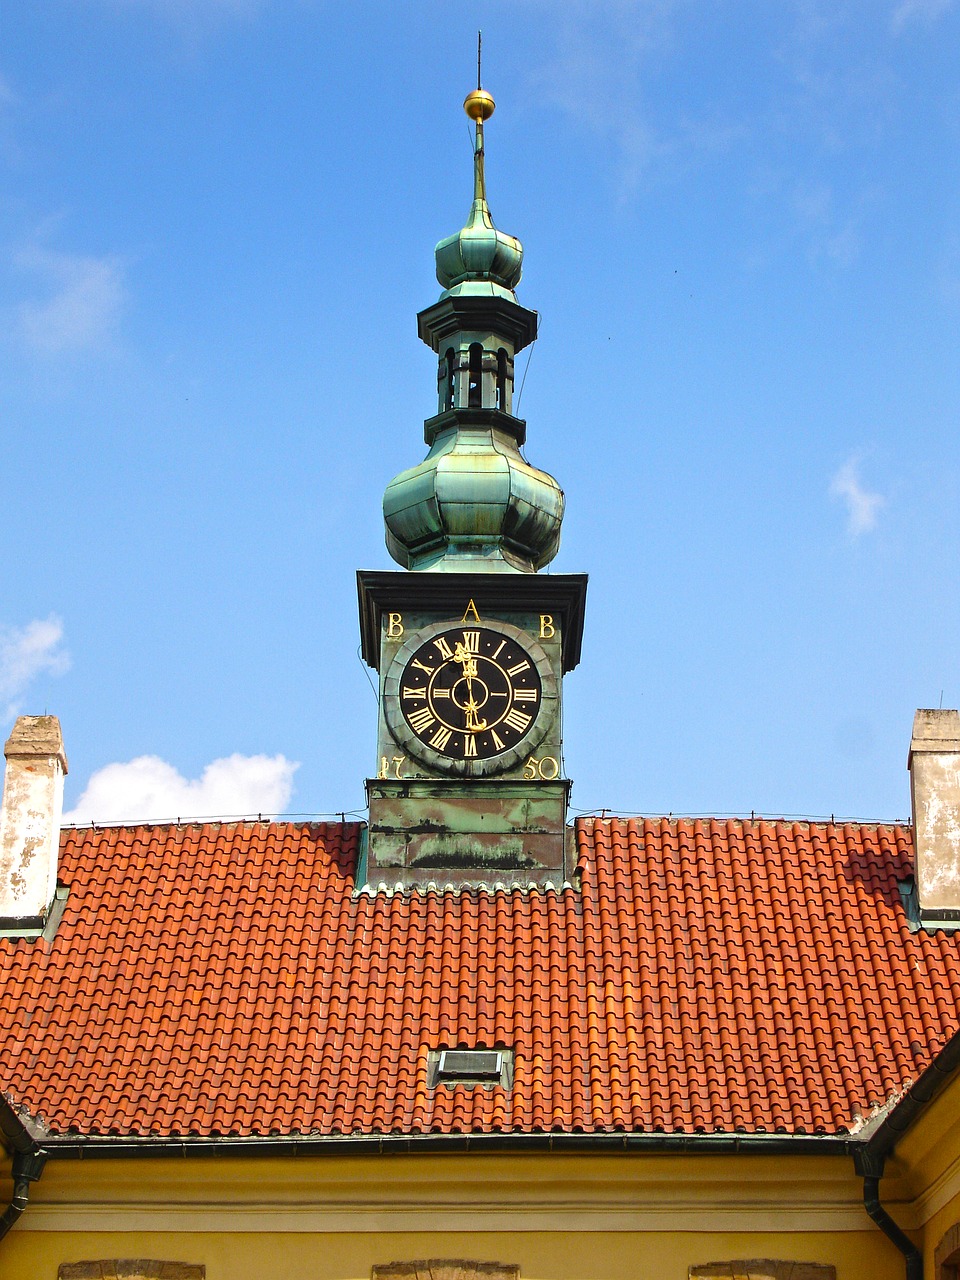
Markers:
(470, 693)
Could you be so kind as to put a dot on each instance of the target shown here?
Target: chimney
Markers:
(934, 764)
(30, 820)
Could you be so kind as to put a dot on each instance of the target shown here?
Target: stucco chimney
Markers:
(934, 764)
(30, 820)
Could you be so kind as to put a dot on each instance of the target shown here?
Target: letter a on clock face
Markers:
(470, 693)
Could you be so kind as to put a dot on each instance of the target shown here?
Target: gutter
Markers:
(27, 1168)
(75, 1147)
(29, 1158)
(869, 1160)
(870, 1168)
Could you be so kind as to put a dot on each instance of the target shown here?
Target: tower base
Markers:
(490, 832)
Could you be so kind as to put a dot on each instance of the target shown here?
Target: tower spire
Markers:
(475, 503)
(479, 106)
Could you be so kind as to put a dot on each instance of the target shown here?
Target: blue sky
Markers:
(742, 231)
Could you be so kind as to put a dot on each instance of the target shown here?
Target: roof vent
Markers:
(471, 1066)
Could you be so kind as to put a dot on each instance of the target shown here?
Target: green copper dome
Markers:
(479, 252)
(475, 503)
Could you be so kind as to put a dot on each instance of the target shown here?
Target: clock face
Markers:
(470, 693)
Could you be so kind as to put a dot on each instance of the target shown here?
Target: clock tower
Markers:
(470, 644)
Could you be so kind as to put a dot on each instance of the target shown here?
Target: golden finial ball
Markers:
(479, 105)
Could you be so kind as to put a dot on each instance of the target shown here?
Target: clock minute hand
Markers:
(469, 663)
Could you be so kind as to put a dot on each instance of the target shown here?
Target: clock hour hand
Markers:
(469, 663)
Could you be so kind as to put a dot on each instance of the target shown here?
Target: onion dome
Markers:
(474, 503)
(479, 252)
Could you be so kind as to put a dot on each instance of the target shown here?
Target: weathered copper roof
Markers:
(737, 977)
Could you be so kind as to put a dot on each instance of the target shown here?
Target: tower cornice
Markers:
(456, 313)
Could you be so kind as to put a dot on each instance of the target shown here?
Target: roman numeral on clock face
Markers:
(517, 720)
(421, 720)
(469, 693)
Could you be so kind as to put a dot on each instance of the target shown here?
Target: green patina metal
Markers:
(511, 831)
(475, 504)
(479, 252)
(475, 521)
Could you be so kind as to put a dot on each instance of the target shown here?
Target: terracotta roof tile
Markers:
(711, 976)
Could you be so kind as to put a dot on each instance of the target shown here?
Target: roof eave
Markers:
(908, 1108)
(126, 1147)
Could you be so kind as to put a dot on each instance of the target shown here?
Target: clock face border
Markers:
(404, 735)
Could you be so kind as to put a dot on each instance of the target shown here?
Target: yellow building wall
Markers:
(926, 1173)
(548, 1256)
(564, 1217)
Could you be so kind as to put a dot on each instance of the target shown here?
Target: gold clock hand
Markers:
(469, 663)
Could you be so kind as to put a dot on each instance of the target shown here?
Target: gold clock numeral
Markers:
(421, 720)
(458, 693)
(517, 720)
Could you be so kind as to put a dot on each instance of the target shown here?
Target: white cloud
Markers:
(843, 247)
(597, 75)
(813, 206)
(82, 307)
(863, 507)
(149, 789)
(26, 652)
(918, 11)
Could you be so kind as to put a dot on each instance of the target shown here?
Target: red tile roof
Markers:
(710, 976)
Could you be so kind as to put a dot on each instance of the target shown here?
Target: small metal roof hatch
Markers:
(486, 1067)
(470, 1064)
